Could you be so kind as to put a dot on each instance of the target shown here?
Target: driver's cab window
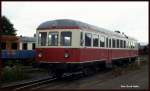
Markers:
(66, 37)
(53, 39)
(42, 38)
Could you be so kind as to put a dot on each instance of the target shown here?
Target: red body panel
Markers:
(82, 54)
(57, 54)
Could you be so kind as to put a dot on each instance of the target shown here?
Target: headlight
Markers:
(40, 55)
(66, 55)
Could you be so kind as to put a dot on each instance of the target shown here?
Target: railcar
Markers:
(66, 45)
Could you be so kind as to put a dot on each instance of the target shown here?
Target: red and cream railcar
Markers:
(68, 45)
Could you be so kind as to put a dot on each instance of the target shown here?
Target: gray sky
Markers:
(128, 17)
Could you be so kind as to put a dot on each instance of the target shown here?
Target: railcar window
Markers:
(88, 38)
(129, 44)
(42, 38)
(109, 43)
(102, 41)
(135, 44)
(24, 46)
(14, 46)
(3, 45)
(113, 43)
(95, 40)
(81, 39)
(121, 43)
(132, 45)
(117, 43)
(53, 39)
(66, 38)
(124, 44)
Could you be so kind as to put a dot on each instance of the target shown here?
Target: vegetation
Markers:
(28, 62)
(122, 70)
(13, 74)
(7, 27)
(25, 62)
(143, 60)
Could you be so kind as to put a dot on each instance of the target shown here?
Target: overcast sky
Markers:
(128, 17)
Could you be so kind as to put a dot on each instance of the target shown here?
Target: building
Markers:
(27, 43)
(9, 42)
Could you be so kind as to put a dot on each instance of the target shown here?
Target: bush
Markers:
(8, 63)
(13, 73)
(124, 69)
(143, 60)
(7, 74)
(28, 62)
(133, 66)
(117, 71)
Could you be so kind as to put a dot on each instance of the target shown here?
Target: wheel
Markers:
(51, 73)
(102, 66)
(58, 74)
(133, 60)
(85, 72)
(88, 71)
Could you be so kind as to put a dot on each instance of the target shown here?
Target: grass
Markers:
(117, 71)
(143, 60)
(17, 72)
(14, 73)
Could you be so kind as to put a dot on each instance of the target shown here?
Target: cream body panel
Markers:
(75, 41)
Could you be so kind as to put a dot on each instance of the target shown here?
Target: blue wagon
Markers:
(17, 54)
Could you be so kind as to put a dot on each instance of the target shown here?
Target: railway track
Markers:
(32, 84)
(68, 81)
(29, 84)
(38, 84)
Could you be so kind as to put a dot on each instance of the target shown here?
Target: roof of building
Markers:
(27, 39)
(74, 24)
(8, 38)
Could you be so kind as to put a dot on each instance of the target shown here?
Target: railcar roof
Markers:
(74, 24)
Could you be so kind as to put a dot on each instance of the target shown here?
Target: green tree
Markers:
(7, 27)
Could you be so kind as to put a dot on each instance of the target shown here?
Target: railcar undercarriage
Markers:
(58, 69)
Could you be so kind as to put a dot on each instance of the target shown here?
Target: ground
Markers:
(137, 79)
(132, 79)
